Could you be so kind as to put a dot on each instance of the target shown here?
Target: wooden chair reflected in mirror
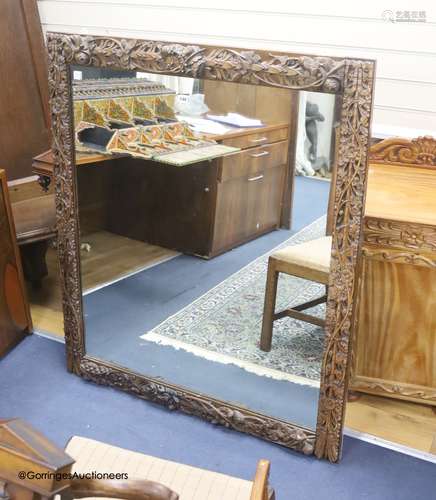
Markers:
(309, 261)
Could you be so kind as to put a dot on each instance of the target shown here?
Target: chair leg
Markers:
(296, 312)
(269, 308)
(310, 303)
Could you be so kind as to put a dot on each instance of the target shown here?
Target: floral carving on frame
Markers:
(353, 80)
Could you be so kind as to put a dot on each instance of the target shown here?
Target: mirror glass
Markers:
(186, 188)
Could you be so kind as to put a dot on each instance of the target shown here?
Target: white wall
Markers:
(405, 52)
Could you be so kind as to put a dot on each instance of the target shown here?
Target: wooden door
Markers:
(24, 127)
(265, 193)
(15, 321)
(247, 207)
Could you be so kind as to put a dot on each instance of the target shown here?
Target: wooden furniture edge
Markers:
(4, 187)
(395, 390)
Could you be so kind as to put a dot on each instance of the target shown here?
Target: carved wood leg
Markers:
(269, 307)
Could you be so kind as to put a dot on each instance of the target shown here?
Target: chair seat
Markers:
(35, 219)
(191, 483)
(309, 260)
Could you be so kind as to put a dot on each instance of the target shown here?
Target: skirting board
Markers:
(405, 450)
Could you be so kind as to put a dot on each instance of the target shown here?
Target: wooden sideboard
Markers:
(395, 325)
(202, 209)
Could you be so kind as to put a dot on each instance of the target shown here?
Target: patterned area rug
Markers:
(227, 320)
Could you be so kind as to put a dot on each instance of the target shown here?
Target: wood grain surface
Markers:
(398, 193)
(24, 129)
(400, 422)
(397, 315)
(111, 257)
(15, 320)
(395, 336)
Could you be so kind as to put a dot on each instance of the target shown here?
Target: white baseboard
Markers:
(406, 450)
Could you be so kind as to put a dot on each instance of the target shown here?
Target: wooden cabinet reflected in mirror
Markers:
(178, 183)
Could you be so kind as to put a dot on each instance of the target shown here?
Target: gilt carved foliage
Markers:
(353, 79)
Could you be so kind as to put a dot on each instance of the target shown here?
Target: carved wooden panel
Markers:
(399, 235)
(395, 343)
(351, 78)
(397, 390)
(419, 152)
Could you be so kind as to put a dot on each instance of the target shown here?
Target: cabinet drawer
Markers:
(247, 208)
(253, 161)
(257, 138)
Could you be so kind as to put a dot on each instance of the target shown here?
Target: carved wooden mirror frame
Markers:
(353, 80)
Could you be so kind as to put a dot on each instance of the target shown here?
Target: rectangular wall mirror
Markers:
(209, 206)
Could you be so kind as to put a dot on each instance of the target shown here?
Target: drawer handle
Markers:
(257, 178)
(261, 139)
(258, 155)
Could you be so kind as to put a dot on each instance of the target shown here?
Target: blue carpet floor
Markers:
(35, 386)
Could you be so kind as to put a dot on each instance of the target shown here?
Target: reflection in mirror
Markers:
(189, 271)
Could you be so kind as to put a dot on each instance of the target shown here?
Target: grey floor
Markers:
(117, 315)
(35, 386)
